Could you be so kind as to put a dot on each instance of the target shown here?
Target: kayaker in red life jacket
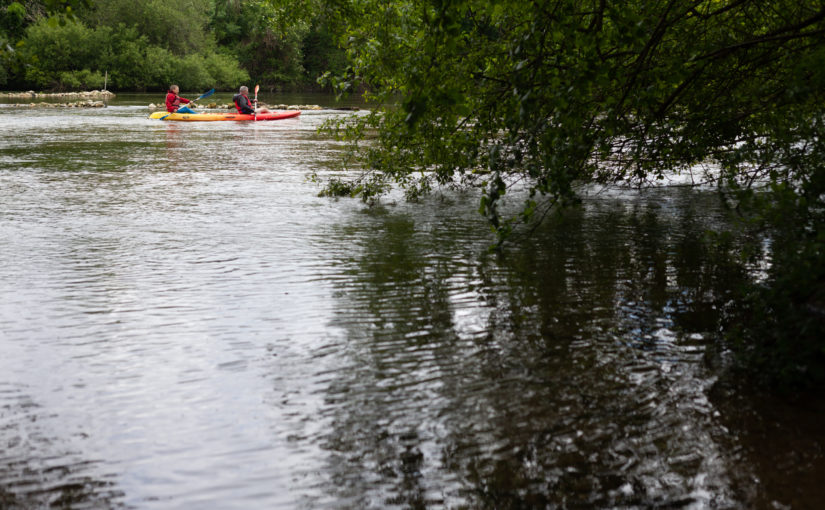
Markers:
(243, 104)
(173, 100)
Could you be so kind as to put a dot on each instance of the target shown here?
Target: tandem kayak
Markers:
(224, 116)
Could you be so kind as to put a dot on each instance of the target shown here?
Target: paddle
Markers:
(205, 94)
(255, 103)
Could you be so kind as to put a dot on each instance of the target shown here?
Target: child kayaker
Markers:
(173, 101)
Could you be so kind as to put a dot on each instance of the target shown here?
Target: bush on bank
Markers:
(776, 325)
(73, 56)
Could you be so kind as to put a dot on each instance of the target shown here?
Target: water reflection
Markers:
(36, 471)
(578, 381)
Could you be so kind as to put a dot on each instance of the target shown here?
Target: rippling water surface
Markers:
(185, 324)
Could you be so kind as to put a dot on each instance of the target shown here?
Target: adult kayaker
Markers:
(173, 101)
(243, 104)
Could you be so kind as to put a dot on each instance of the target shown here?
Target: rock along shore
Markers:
(76, 104)
(105, 94)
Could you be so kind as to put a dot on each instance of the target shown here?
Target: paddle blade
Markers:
(205, 94)
(257, 88)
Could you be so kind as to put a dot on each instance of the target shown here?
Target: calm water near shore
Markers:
(185, 324)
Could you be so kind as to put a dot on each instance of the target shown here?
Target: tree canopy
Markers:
(553, 93)
(148, 44)
(550, 95)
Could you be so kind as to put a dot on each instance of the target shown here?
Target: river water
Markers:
(185, 324)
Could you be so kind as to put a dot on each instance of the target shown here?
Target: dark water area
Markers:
(184, 323)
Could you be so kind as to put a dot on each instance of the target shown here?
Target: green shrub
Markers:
(74, 56)
(53, 49)
(81, 80)
(190, 73)
(12, 22)
(777, 326)
(225, 71)
(160, 67)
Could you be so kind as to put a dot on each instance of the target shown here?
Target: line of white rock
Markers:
(33, 94)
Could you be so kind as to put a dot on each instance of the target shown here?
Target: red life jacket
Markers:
(243, 104)
(173, 101)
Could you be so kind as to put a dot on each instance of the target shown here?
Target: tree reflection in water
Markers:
(568, 369)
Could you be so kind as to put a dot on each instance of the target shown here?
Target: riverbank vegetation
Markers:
(548, 96)
(144, 45)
